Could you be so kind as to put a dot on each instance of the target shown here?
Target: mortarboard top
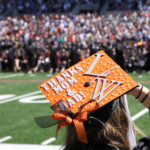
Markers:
(96, 78)
(85, 87)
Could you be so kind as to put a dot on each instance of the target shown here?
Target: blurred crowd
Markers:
(122, 5)
(41, 6)
(54, 42)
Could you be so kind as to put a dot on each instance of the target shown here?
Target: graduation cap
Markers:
(83, 89)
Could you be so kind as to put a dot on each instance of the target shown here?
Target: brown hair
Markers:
(114, 132)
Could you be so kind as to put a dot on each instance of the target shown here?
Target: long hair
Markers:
(114, 132)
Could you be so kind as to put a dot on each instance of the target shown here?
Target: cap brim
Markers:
(45, 121)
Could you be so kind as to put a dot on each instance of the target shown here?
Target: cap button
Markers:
(87, 84)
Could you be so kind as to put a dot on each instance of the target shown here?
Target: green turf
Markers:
(18, 88)
(26, 76)
(140, 77)
(18, 122)
(17, 118)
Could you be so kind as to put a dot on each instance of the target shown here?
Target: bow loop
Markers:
(58, 116)
(82, 116)
(69, 121)
(77, 121)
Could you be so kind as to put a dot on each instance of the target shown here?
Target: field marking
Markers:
(29, 147)
(5, 139)
(5, 96)
(49, 75)
(144, 82)
(40, 81)
(12, 75)
(19, 97)
(48, 141)
(33, 99)
(32, 75)
(138, 115)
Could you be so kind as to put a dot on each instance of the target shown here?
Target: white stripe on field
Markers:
(12, 75)
(49, 75)
(5, 139)
(48, 141)
(29, 147)
(141, 113)
(18, 97)
(32, 75)
(5, 96)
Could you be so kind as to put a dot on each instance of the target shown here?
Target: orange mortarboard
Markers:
(97, 77)
(85, 87)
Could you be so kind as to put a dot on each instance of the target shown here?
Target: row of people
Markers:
(77, 32)
(41, 6)
(122, 5)
(29, 58)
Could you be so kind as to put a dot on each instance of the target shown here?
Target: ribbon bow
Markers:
(77, 121)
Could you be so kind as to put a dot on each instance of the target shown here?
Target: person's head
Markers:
(114, 131)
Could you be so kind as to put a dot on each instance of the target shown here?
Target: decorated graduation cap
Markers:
(89, 86)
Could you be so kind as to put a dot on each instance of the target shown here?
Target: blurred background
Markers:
(40, 38)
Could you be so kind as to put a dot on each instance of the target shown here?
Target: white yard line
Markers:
(5, 139)
(12, 75)
(29, 147)
(32, 75)
(141, 113)
(19, 97)
(48, 141)
(6, 96)
(49, 75)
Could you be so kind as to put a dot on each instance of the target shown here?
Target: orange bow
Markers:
(78, 122)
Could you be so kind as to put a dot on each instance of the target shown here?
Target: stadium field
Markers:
(21, 101)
